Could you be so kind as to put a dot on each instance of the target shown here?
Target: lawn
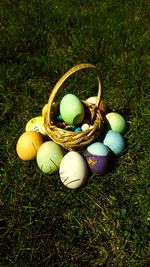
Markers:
(106, 222)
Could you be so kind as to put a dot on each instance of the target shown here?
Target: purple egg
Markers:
(97, 164)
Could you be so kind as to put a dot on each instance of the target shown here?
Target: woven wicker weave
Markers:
(68, 139)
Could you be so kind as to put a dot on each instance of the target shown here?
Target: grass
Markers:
(106, 222)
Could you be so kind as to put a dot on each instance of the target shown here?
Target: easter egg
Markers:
(116, 122)
(98, 149)
(85, 127)
(44, 110)
(77, 129)
(114, 141)
(91, 99)
(36, 124)
(28, 144)
(97, 156)
(73, 170)
(59, 118)
(49, 157)
(71, 109)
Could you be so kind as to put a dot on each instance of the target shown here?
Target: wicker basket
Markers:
(68, 139)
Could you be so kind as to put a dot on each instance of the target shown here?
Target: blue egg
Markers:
(114, 141)
(78, 129)
(98, 149)
(59, 118)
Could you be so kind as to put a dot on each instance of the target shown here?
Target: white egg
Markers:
(85, 127)
(91, 99)
(73, 170)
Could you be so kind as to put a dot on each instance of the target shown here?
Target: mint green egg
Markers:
(72, 109)
(116, 122)
(49, 157)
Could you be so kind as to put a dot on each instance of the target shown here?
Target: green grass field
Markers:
(105, 223)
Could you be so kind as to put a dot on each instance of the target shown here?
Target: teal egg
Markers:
(49, 157)
(98, 149)
(78, 129)
(59, 118)
(72, 109)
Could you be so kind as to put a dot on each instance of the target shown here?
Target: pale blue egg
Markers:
(114, 141)
(98, 149)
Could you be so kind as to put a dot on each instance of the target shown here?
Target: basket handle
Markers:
(67, 75)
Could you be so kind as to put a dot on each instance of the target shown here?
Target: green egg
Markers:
(72, 109)
(116, 122)
(49, 157)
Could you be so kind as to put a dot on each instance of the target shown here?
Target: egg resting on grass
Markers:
(116, 122)
(36, 124)
(49, 157)
(28, 144)
(97, 156)
(115, 142)
(73, 170)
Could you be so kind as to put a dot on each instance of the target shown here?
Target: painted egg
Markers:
(98, 149)
(85, 127)
(28, 144)
(59, 118)
(114, 141)
(97, 156)
(91, 99)
(73, 170)
(49, 157)
(36, 124)
(71, 109)
(77, 129)
(116, 122)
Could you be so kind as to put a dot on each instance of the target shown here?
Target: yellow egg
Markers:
(44, 110)
(28, 145)
(36, 124)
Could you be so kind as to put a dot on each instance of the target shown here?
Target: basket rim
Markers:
(63, 78)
